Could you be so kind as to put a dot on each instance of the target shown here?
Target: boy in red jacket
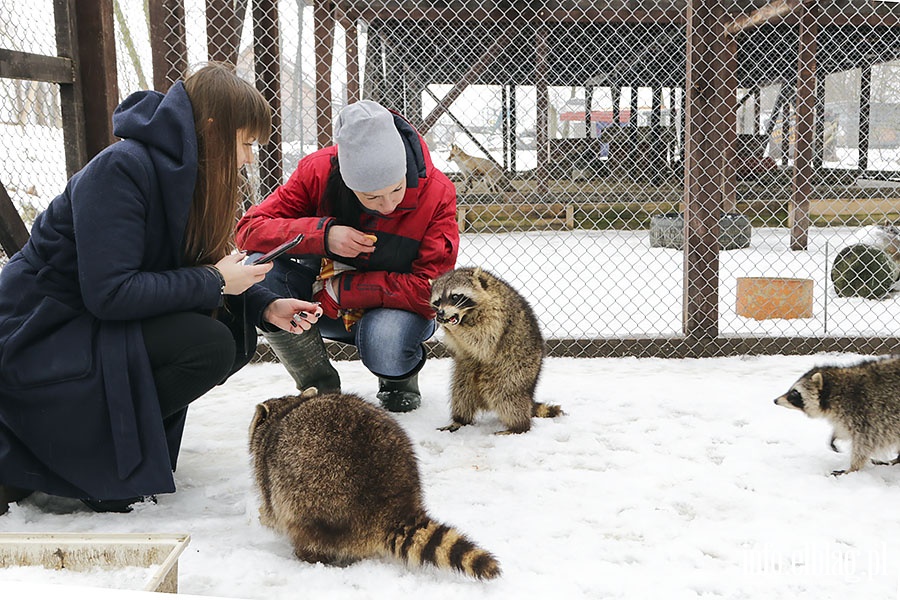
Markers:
(379, 222)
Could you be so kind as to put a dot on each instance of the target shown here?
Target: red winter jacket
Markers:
(416, 243)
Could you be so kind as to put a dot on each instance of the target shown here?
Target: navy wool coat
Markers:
(79, 414)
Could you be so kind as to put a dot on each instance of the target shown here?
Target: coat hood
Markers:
(416, 161)
(164, 124)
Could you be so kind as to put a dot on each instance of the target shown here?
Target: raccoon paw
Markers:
(451, 427)
(839, 473)
(886, 463)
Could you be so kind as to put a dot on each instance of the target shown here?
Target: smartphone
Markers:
(273, 254)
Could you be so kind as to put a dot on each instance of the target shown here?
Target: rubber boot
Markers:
(399, 395)
(306, 359)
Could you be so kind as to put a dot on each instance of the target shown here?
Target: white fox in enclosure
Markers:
(473, 166)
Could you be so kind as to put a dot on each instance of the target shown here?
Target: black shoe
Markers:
(116, 506)
(399, 396)
(10, 494)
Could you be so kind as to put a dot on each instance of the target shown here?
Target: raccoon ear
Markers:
(262, 411)
(478, 274)
(816, 380)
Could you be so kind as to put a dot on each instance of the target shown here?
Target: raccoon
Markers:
(493, 335)
(861, 401)
(339, 477)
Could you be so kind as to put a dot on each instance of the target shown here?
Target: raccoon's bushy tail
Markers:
(539, 409)
(422, 540)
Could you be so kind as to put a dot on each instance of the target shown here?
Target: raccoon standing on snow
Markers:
(339, 477)
(497, 348)
(862, 403)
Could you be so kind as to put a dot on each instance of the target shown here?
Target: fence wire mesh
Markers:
(637, 169)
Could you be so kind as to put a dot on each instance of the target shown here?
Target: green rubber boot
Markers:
(306, 359)
(399, 395)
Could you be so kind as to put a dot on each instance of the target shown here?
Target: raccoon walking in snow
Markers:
(862, 403)
(497, 347)
(339, 477)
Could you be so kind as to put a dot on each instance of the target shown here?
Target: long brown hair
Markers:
(222, 103)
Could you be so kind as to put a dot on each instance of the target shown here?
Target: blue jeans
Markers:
(389, 340)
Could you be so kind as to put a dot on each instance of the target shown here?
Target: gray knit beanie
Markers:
(370, 150)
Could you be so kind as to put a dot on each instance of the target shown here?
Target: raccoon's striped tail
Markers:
(539, 409)
(421, 540)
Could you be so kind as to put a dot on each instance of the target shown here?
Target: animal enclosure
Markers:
(599, 116)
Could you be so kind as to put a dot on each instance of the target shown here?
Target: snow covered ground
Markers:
(666, 479)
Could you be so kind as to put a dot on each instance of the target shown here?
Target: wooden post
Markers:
(819, 136)
(588, 105)
(323, 31)
(96, 63)
(224, 23)
(804, 128)
(754, 111)
(865, 97)
(705, 123)
(616, 92)
(168, 42)
(504, 124)
(513, 147)
(541, 126)
(267, 55)
(633, 106)
(71, 104)
(729, 141)
(351, 33)
(785, 132)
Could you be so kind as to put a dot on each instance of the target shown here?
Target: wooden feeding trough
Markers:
(774, 298)
(82, 552)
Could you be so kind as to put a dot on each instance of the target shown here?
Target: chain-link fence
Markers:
(663, 177)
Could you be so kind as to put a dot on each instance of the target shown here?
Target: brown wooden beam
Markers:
(542, 147)
(70, 96)
(323, 32)
(35, 67)
(804, 168)
(483, 62)
(485, 13)
(267, 56)
(513, 138)
(224, 23)
(865, 110)
(96, 62)
(13, 233)
(837, 16)
(168, 42)
(728, 181)
(352, 53)
(771, 12)
(707, 104)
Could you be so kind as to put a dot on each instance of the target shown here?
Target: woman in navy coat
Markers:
(127, 303)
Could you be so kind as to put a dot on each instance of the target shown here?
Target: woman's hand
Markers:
(238, 276)
(291, 314)
(348, 242)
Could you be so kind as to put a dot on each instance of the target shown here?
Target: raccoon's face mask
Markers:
(451, 308)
